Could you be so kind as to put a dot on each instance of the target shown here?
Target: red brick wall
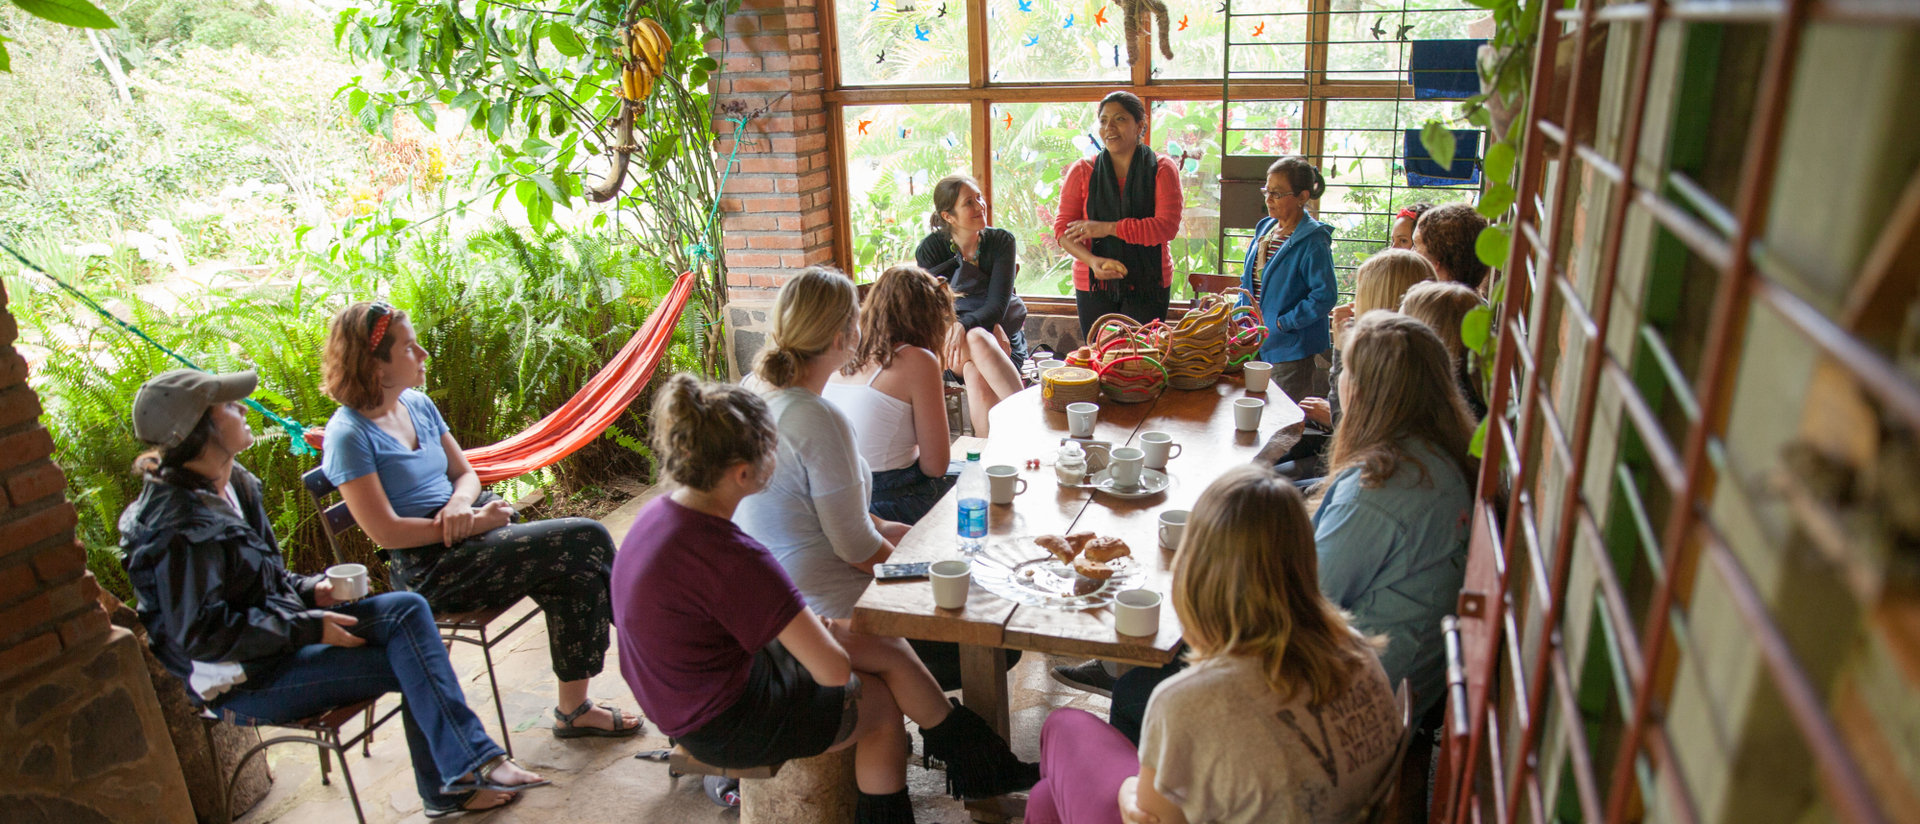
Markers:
(777, 204)
(48, 599)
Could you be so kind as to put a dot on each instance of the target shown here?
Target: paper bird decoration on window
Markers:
(880, 58)
(1031, 40)
(1402, 34)
(1100, 17)
(920, 34)
(1007, 119)
(1116, 55)
(1183, 23)
(1378, 30)
(943, 11)
(875, 6)
(1069, 23)
(1026, 5)
(864, 124)
(1260, 29)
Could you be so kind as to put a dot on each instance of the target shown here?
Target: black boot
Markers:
(893, 808)
(979, 762)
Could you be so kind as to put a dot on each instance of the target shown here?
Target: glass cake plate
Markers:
(1020, 571)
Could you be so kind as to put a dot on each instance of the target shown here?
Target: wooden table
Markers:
(1201, 421)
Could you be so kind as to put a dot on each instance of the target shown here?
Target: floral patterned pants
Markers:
(565, 565)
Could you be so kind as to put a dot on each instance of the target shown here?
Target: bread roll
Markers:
(1059, 546)
(1089, 568)
(1106, 548)
(1079, 540)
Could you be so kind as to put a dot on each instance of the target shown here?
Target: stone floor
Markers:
(595, 780)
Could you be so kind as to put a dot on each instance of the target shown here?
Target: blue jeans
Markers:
(403, 654)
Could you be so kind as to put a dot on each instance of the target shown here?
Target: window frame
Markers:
(1313, 90)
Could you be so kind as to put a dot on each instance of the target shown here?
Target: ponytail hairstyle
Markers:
(701, 429)
(168, 465)
(1301, 176)
(905, 306)
(358, 336)
(813, 308)
(1245, 583)
(946, 195)
(1382, 279)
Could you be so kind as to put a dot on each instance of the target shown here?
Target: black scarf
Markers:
(1106, 201)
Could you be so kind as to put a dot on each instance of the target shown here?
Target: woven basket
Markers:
(1245, 333)
(1063, 385)
(1129, 358)
(1197, 344)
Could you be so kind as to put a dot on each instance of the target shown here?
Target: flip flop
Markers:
(480, 782)
(461, 808)
(571, 731)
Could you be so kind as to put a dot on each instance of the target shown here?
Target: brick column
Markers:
(777, 203)
(78, 715)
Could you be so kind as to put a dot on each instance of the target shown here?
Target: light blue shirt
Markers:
(415, 480)
(1395, 556)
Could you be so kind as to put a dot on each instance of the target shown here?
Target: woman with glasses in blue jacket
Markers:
(1289, 274)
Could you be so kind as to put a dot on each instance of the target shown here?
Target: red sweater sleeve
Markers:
(1164, 226)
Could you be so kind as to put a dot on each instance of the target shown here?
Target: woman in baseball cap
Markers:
(261, 644)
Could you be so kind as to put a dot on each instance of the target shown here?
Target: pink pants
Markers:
(1083, 761)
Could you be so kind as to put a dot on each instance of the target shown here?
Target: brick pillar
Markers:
(82, 737)
(777, 204)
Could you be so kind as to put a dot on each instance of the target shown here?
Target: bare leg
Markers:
(574, 693)
(980, 398)
(879, 740)
(892, 661)
(995, 365)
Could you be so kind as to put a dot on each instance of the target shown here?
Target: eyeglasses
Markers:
(1275, 194)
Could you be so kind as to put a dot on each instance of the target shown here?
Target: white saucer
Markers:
(1152, 482)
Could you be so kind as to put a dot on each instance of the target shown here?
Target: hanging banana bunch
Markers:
(647, 47)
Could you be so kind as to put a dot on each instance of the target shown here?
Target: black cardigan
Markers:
(983, 293)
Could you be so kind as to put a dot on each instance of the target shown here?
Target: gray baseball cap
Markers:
(169, 404)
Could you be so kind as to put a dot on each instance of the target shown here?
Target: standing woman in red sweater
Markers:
(1118, 212)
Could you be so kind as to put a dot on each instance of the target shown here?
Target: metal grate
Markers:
(1484, 778)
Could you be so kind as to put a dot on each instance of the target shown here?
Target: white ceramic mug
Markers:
(1125, 467)
(1080, 418)
(1136, 612)
(1246, 413)
(1160, 448)
(349, 581)
(1173, 524)
(951, 580)
(1257, 373)
(1004, 482)
(1051, 364)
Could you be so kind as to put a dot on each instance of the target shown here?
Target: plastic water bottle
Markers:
(972, 493)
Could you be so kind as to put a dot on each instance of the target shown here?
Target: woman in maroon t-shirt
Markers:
(725, 656)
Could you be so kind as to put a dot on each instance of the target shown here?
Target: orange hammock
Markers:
(595, 407)
(591, 410)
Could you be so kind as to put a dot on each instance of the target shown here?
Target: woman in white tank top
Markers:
(893, 396)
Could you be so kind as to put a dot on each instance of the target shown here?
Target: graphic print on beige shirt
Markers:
(1228, 749)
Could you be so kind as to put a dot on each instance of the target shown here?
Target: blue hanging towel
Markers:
(1423, 173)
(1444, 69)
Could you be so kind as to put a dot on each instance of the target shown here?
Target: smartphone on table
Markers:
(900, 572)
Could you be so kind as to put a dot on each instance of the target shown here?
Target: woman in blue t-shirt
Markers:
(409, 486)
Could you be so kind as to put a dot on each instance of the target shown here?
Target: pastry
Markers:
(1079, 540)
(1089, 568)
(1059, 546)
(1106, 548)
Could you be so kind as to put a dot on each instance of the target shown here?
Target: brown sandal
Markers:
(620, 730)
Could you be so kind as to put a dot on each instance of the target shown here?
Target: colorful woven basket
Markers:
(1245, 333)
(1197, 343)
(1063, 385)
(1129, 358)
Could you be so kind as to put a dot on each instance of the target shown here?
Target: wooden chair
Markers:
(324, 733)
(336, 520)
(1384, 803)
(1203, 284)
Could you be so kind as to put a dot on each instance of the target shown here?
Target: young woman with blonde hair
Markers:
(1285, 714)
(987, 345)
(408, 484)
(893, 395)
(1443, 306)
(1393, 516)
(811, 514)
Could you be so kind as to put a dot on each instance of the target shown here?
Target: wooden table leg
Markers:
(983, 685)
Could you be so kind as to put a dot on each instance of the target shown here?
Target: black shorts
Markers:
(782, 715)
